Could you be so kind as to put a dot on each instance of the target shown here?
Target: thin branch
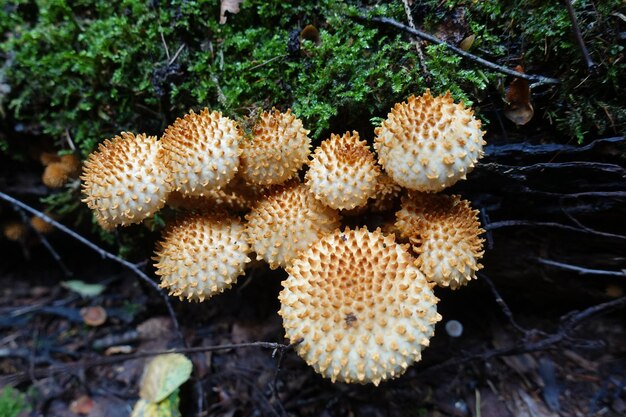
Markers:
(503, 305)
(175, 57)
(591, 66)
(416, 42)
(538, 79)
(83, 364)
(581, 270)
(103, 253)
(167, 50)
(589, 229)
(516, 223)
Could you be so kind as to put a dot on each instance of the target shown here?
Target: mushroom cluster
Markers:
(358, 299)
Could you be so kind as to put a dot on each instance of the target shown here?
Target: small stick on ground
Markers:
(503, 305)
(416, 42)
(18, 377)
(591, 66)
(581, 270)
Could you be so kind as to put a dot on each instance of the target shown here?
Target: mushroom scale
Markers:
(124, 181)
(201, 255)
(429, 143)
(343, 172)
(444, 232)
(359, 305)
(277, 150)
(286, 221)
(202, 151)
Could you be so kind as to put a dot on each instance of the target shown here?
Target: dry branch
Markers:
(538, 79)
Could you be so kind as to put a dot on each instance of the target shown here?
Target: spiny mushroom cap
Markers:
(201, 255)
(202, 151)
(343, 172)
(277, 150)
(429, 143)
(363, 310)
(286, 221)
(123, 181)
(444, 232)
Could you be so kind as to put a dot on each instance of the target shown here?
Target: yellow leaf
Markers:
(163, 375)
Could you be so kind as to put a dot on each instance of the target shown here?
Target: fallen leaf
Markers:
(82, 288)
(116, 350)
(163, 375)
(518, 108)
(467, 43)
(228, 6)
(82, 405)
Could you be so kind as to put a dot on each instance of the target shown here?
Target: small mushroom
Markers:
(277, 149)
(201, 255)
(93, 316)
(41, 225)
(56, 175)
(343, 172)
(201, 150)
(59, 170)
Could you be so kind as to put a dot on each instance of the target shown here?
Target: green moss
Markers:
(12, 402)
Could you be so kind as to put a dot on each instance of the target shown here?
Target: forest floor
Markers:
(537, 340)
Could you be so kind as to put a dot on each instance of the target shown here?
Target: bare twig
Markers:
(530, 223)
(103, 253)
(167, 50)
(281, 352)
(503, 305)
(416, 42)
(581, 270)
(538, 79)
(175, 57)
(589, 229)
(84, 364)
(591, 66)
